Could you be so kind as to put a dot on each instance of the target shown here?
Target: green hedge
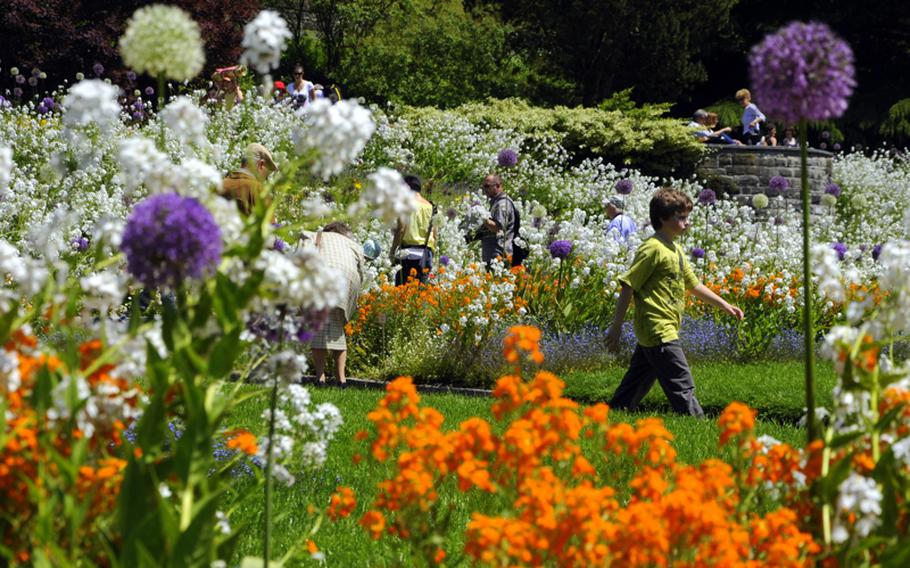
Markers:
(619, 132)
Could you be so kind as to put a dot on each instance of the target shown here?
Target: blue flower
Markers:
(507, 157)
(624, 186)
(697, 252)
(841, 250)
(707, 197)
(560, 249)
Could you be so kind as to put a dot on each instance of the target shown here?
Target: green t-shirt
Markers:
(659, 277)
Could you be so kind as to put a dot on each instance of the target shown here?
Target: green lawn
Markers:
(774, 388)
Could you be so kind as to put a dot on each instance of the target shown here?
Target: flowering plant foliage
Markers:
(549, 502)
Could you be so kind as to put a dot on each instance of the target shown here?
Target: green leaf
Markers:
(842, 440)
(223, 355)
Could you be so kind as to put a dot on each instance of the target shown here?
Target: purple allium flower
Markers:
(130, 75)
(444, 260)
(832, 189)
(280, 245)
(560, 249)
(707, 197)
(98, 69)
(79, 244)
(836, 147)
(823, 146)
(169, 238)
(137, 115)
(825, 135)
(697, 252)
(138, 104)
(20, 79)
(624, 186)
(778, 185)
(33, 81)
(149, 91)
(451, 213)
(17, 92)
(4, 103)
(841, 250)
(876, 252)
(802, 71)
(507, 157)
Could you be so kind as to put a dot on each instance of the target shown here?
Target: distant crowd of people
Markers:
(298, 93)
(754, 129)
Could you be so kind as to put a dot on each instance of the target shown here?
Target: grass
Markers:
(775, 389)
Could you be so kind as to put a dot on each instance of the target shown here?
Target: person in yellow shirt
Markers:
(658, 280)
(414, 241)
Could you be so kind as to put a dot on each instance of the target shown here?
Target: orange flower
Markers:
(342, 503)
(736, 419)
(242, 440)
(374, 523)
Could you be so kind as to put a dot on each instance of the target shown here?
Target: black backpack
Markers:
(519, 253)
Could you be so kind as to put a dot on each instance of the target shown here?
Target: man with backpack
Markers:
(497, 234)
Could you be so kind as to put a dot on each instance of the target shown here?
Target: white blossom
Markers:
(186, 120)
(337, 133)
(264, 39)
(385, 196)
(91, 101)
(163, 41)
(6, 168)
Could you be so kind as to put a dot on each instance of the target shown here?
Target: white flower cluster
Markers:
(163, 41)
(298, 279)
(186, 120)
(96, 407)
(10, 378)
(6, 168)
(337, 132)
(302, 433)
(825, 267)
(287, 366)
(860, 497)
(385, 196)
(29, 275)
(264, 39)
(91, 102)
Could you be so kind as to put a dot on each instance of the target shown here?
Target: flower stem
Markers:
(808, 330)
(267, 510)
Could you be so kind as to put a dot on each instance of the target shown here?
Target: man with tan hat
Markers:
(245, 185)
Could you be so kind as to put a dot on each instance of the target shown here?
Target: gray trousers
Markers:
(667, 364)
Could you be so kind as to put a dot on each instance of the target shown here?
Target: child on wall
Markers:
(658, 279)
(751, 118)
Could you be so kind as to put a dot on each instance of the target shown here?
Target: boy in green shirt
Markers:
(658, 279)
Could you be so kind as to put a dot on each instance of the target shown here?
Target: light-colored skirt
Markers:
(331, 336)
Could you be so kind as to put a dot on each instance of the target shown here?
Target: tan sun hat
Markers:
(256, 152)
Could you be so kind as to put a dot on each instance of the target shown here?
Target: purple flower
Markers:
(825, 135)
(823, 146)
(149, 91)
(876, 252)
(280, 245)
(778, 185)
(138, 104)
(707, 197)
(4, 103)
(560, 249)
(130, 75)
(841, 250)
(697, 252)
(836, 147)
(17, 92)
(137, 115)
(507, 157)
(79, 244)
(36, 72)
(168, 239)
(98, 69)
(624, 186)
(20, 79)
(832, 189)
(46, 105)
(444, 260)
(33, 81)
(802, 71)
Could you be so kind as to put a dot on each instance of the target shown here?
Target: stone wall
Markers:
(743, 171)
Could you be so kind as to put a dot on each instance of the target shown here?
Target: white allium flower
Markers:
(264, 39)
(760, 201)
(163, 40)
(828, 200)
(385, 196)
(6, 167)
(186, 120)
(91, 101)
(338, 132)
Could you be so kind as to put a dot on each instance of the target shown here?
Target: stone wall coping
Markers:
(784, 150)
